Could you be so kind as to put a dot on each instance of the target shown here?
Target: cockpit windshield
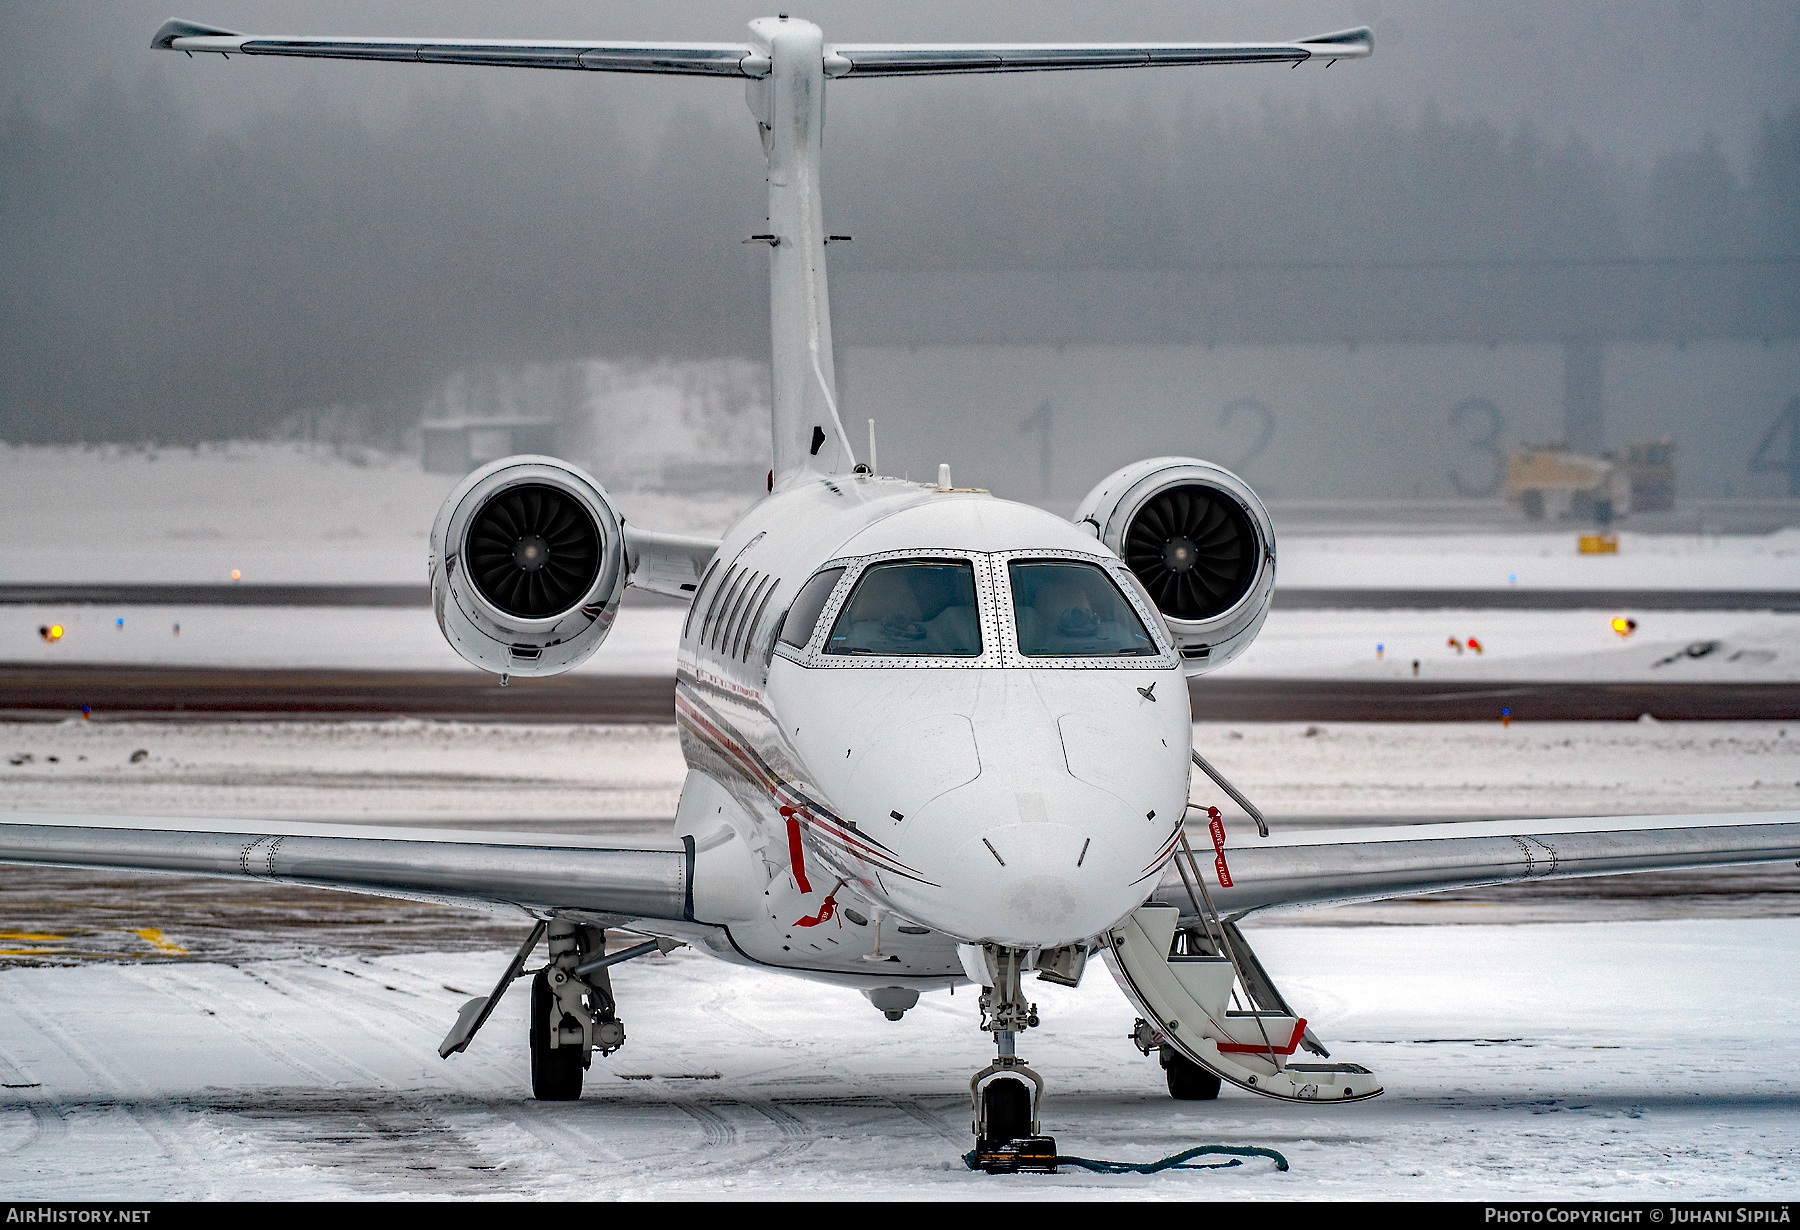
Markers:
(911, 608)
(1066, 610)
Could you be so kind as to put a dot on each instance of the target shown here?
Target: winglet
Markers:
(1357, 42)
(174, 28)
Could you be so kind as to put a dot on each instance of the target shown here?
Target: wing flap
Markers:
(537, 874)
(1297, 870)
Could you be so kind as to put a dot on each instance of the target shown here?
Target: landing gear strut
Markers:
(572, 1012)
(1006, 1123)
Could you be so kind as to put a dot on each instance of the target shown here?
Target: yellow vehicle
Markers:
(1548, 482)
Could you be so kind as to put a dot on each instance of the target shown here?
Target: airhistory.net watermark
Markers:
(63, 1215)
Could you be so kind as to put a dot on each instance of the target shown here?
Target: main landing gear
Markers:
(572, 1012)
(1007, 1095)
(572, 1008)
(1188, 1081)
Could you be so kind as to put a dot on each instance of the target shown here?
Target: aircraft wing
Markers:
(927, 60)
(527, 873)
(691, 59)
(1333, 867)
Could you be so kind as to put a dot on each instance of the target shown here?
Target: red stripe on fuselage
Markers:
(726, 741)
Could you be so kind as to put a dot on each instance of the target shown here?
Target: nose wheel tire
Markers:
(555, 1071)
(1188, 1081)
(1007, 1102)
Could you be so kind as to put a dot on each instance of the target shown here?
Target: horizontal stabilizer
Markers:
(743, 60)
(690, 59)
(175, 28)
(925, 60)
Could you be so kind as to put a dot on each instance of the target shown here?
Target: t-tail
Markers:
(785, 66)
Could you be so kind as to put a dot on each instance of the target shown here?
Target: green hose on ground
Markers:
(1175, 1161)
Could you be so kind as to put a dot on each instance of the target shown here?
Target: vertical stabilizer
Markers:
(789, 105)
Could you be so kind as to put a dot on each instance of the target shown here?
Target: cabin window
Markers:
(803, 616)
(911, 608)
(1069, 610)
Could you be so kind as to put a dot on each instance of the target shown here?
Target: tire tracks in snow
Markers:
(410, 1144)
(47, 1123)
(719, 1133)
(719, 1004)
(152, 1116)
(367, 1000)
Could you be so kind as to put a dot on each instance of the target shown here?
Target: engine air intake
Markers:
(534, 552)
(1199, 542)
(1194, 550)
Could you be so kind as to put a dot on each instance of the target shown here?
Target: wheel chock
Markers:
(1030, 1154)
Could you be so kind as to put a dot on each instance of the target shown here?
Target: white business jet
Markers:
(956, 723)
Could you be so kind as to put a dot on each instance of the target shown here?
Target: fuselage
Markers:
(959, 728)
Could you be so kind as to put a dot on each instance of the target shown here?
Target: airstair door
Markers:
(1184, 988)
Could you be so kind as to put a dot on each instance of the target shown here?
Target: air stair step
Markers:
(1186, 998)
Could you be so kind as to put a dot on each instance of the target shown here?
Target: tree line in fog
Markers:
(163, 283)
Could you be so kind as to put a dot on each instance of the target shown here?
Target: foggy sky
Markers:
(197, 248)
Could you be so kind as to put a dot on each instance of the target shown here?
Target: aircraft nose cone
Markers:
(1035, 885)
(1031, 856)
(1042, 903)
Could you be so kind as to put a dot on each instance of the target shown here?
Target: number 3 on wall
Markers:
(1489, 444)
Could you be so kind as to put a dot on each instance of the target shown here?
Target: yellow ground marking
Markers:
(155, 936)
(29, 935)
(28, 952)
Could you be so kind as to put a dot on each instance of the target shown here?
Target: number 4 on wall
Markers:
(1771, 458)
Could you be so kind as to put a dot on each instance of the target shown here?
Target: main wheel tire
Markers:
(1008, 1105)
(1188, 1081)
(555, 1070)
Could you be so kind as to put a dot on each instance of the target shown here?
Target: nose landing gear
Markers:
(1007, 1096)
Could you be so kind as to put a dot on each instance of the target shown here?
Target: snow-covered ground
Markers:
(1735, 646)
(295, 1058)
(380, 771)
(412, 770)
(311, 513)
(1580, 645)
(277, 513)
(290, 1053)
(642, 641)
(1541, 559)
(1640, 1061)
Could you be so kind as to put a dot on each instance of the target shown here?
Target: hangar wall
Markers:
(1342, 422)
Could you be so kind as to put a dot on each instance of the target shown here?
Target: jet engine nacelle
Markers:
(527, 565)
(1201, 543)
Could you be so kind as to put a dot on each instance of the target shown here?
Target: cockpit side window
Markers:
(911, 608)
(803, 616)
(1065, 609)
